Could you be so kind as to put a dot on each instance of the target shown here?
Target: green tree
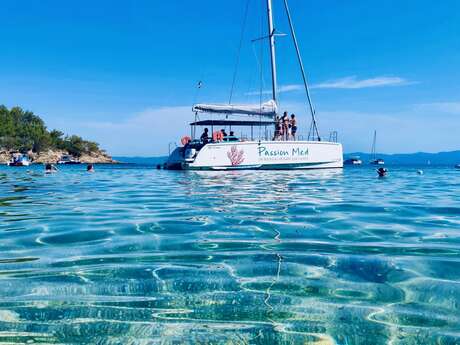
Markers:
(24, 131)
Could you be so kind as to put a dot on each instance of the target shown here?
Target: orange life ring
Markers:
(185, 140)
(217, 136)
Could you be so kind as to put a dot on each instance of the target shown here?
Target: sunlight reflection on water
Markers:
(135, 255)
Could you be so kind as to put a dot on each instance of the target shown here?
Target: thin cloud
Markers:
(441, 107)
(354, 83)
(351, 82)
(281, 89)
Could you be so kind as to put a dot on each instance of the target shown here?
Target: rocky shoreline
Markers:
(53, 156)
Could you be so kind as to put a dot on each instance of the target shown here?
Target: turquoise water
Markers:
(133, 255)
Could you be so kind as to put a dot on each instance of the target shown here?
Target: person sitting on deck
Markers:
(205, 136)
(232, 137)
(293, 123)
(224, 134)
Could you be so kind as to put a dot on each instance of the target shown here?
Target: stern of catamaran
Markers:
(268, 155)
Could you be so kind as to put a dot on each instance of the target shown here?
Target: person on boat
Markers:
(205, 136)
(285, 122)
(224, 134)
(293, 123)
(281, 128)
(50, 168)
(232, 137)
(90, 168)
(276, 135)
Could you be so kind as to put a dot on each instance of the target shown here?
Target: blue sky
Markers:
(124, 73)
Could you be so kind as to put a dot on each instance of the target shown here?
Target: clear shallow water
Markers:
(132, 255)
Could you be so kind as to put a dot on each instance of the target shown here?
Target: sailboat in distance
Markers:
(375, 160)
(280, 150)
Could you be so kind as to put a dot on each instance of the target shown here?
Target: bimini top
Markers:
(265, 109)
(232, 123)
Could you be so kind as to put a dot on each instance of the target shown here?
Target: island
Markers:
(24, 132)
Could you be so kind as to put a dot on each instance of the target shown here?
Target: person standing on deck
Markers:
(285, 120)
(293, 123)
(281, 128)
(277, 134)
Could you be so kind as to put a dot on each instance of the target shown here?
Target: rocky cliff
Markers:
(52, 156)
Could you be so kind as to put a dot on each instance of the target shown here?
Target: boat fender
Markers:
(217, 136)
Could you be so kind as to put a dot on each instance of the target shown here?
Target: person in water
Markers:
(382, 172)
(90, 168)
(293, 123)
(205, 136)
(50, 168)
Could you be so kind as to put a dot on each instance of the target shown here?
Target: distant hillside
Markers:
(141, 160)
(24, 131)
(419, 158)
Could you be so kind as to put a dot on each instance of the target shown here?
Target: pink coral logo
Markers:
(235, 156)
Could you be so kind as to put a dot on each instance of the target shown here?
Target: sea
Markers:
(134, 255)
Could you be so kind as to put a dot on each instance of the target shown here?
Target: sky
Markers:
(125, 73)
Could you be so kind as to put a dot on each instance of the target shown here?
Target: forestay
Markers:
(268, 109)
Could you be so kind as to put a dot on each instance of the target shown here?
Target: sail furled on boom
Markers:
(268, 109)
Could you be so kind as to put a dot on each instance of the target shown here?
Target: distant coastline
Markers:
(417, 158)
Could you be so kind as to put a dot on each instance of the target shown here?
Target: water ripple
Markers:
(139, 256)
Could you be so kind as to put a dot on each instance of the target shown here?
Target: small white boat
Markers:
(264, 152)
(68, 159)
(19, 160)
(375, 160)
(353, 161)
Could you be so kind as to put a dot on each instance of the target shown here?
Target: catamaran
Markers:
(266, 152)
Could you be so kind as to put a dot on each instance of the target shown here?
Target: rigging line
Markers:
(261, 68)
(235, 72)
(304, 77)
(261, 58)
(259, 64)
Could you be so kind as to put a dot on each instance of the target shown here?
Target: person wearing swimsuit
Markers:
(293, 123)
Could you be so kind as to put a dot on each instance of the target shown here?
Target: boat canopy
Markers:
(232, 123)
(268, 109)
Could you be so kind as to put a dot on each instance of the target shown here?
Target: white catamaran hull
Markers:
(259, 155)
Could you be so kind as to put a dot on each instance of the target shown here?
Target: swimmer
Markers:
(382, 172)
(90, 168)
(50, 168)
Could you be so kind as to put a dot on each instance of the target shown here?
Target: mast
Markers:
(271, 37)
(373, 144)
